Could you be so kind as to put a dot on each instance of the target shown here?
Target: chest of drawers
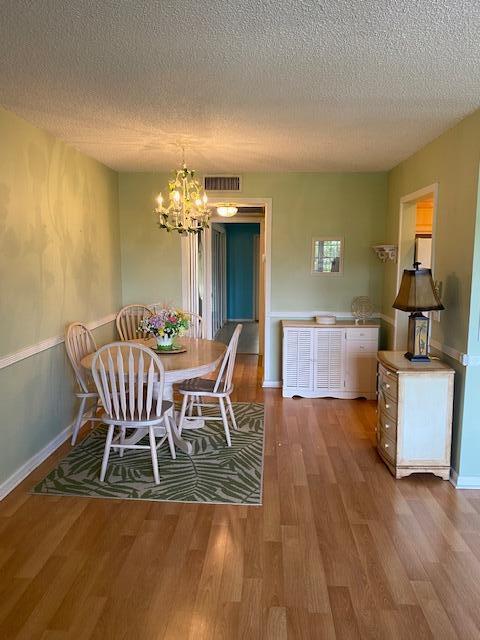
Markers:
(414, 424)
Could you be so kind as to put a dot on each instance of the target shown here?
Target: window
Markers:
(327, 256)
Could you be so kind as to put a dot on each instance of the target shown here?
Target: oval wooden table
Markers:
(200, 358)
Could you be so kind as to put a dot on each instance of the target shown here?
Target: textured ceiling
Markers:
(276, 85)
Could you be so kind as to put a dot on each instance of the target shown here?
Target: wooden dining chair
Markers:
(220, 388)
(126, 377)
(195, 329)
(79, 342)
(129, 318)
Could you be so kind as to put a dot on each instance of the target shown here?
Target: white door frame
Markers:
(406, 200)
(266, 203)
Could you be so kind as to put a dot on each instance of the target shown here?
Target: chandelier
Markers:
(186, 210)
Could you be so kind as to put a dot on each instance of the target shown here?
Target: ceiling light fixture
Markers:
(226, 210)
(186, 211)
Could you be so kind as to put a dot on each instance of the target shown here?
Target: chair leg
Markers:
(232, 415)
(183, 412)
(153, 449)
(225, 421)
(199, 406)
(168, 429)
(122, 440)
(190, 407)
(78, 421)
(106, 452)
(94, 414)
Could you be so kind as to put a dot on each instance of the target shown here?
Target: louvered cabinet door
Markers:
(329, 360)
(298, 360)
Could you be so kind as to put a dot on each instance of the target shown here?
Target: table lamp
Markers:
(417, 293)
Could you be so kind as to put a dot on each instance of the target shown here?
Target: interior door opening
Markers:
(416, 238)
(205, 279)
(235, 281)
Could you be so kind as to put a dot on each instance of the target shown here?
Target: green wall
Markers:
(151, 258)
(59, 262)
(452, 161)
(304, 205)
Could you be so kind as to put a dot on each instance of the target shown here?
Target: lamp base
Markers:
(414, 358)
(417, 338)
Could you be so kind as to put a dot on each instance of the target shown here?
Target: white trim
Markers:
(386, 319)
(448, 351)
(26, 352)
(272, 384)
(20, 474)
(464, 482)
(470, 361)
(301, 315)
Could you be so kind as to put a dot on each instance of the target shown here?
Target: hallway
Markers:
(248, 342)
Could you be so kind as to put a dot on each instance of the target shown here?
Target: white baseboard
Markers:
(464, 482)
(36, 460)
(272, 384)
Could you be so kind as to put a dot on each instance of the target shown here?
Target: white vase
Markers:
(164, 341)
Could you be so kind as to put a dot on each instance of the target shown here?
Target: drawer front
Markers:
(363, 346)
(387, 382)
(387, 405)
(387, 426)
(363, 333)
(387, 447)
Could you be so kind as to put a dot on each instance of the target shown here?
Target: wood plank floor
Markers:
(339, 549)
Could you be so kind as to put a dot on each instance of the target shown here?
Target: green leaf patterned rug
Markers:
(213, 473)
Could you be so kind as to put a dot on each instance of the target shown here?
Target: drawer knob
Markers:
(386, 445)
(387, 406)
(386, 385)
(387, 426)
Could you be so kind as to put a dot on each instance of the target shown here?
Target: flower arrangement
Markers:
(165, 325)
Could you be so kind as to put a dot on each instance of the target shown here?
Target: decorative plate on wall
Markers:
(362, 308)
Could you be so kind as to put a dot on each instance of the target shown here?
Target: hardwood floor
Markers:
(338, 550)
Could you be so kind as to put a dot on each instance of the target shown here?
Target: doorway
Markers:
(198, 279)
(235, 282)
(416, 238)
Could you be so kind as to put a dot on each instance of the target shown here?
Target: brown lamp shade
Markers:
(417, 292)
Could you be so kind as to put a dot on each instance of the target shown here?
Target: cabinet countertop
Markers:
(339, 324)
(396, 360)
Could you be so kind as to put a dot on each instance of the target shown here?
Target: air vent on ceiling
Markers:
(222, 183)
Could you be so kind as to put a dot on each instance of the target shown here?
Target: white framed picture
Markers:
(327, 256)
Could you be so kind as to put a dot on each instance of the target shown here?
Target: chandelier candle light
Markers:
(186, 210)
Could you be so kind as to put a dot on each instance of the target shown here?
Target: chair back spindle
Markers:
(126, 377)
(225, 373)
(79, 342)
(129, 318)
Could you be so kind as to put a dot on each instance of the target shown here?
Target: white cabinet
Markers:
(336, 361)
(414, 428)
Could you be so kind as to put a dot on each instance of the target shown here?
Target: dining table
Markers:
(199, 358)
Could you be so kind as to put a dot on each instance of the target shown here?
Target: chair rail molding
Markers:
(48, 343)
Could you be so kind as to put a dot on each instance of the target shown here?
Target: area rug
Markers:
(214, 473)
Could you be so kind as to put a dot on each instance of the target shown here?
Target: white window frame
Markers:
(342, 250)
